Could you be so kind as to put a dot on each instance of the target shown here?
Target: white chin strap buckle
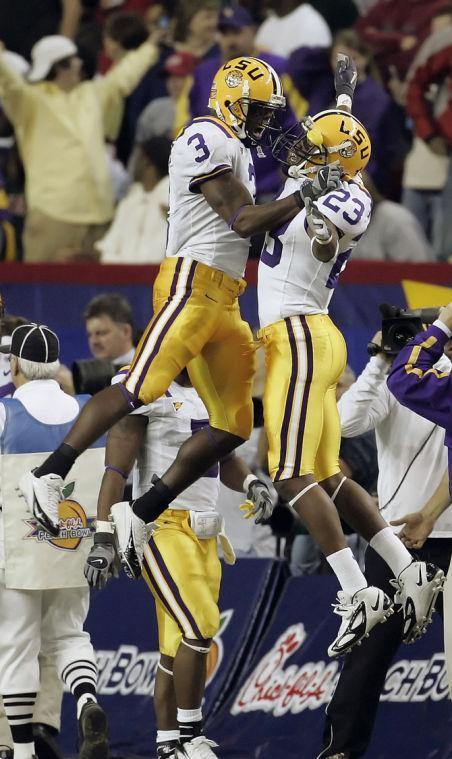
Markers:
(301, 172)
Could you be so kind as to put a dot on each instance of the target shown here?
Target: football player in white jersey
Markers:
(306, 355)
(196, 313)
(181, 565)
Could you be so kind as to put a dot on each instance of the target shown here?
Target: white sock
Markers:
(391, 550)
(347, 571)
(165, 736)
(189, 715)
(23, 750)
(83, 700)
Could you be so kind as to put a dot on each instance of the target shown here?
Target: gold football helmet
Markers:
(329, 136)
(246, 94)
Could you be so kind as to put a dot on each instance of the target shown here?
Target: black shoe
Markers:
(45, 743)
(93, 732)
(6, 752)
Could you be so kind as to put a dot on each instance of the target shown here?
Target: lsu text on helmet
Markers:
(247, 94)
(330, 136)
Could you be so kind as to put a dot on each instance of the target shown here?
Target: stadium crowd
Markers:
(93, 91)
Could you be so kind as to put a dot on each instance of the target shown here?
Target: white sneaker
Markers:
(43, 495)
(131, 537)
(360, 613)
(197, 748)
(417, 587)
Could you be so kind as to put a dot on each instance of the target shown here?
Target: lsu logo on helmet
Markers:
(329, 136)
(247, 94)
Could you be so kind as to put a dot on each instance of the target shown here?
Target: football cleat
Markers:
(167, 750)
(417, 588)
(131, 537)
(198, 748)
(360, 613)
(43, 495)
(46, 746)
(93, 732)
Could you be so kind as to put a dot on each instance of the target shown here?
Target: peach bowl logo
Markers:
(75, 525)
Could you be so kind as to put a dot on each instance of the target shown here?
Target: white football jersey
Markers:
(173, 418)
(290, 280)
(205, 149)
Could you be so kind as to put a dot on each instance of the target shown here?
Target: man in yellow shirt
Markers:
(61, 124)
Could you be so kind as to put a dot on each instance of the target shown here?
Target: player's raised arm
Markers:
(345, 80)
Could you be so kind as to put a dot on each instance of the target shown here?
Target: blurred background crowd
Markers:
(93, 91)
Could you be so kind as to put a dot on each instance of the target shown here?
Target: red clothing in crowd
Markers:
(388, 22)
(432, 66)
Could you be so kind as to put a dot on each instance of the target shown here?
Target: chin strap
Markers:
(301, 172)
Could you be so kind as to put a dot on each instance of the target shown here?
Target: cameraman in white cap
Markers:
(44, 597)
(61, 124)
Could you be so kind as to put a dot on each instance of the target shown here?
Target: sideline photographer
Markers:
(416, 383)
(412, 461)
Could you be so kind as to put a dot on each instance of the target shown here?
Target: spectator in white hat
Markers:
(60, 124)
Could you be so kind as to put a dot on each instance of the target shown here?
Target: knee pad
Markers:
(200, 646)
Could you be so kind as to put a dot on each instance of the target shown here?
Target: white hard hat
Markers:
(46, 52)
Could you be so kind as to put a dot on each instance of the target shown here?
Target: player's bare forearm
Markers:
(123, 443)
(439, 501)
(321, 251)
(111, 491)
(233, 472)
(230, 199)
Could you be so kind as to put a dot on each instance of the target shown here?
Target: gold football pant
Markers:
(183, 574)
(305, 357)
(197, 323)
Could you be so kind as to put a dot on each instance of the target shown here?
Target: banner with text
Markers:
(269, 674)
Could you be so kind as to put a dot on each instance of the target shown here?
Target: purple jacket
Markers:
(309, 69)
(268, 171)
(420, 387)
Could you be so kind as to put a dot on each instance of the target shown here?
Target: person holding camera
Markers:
(412, 460)
(416, 382)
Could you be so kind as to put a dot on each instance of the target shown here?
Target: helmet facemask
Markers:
(301, 143)
(257, 119)
(330, 136)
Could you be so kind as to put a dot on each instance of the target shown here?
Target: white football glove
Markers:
(258, 502)
(317, 222)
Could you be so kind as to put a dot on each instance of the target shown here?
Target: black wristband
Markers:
(297, 196)
(104, 537)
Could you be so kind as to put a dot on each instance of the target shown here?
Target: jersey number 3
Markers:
(200, 147)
